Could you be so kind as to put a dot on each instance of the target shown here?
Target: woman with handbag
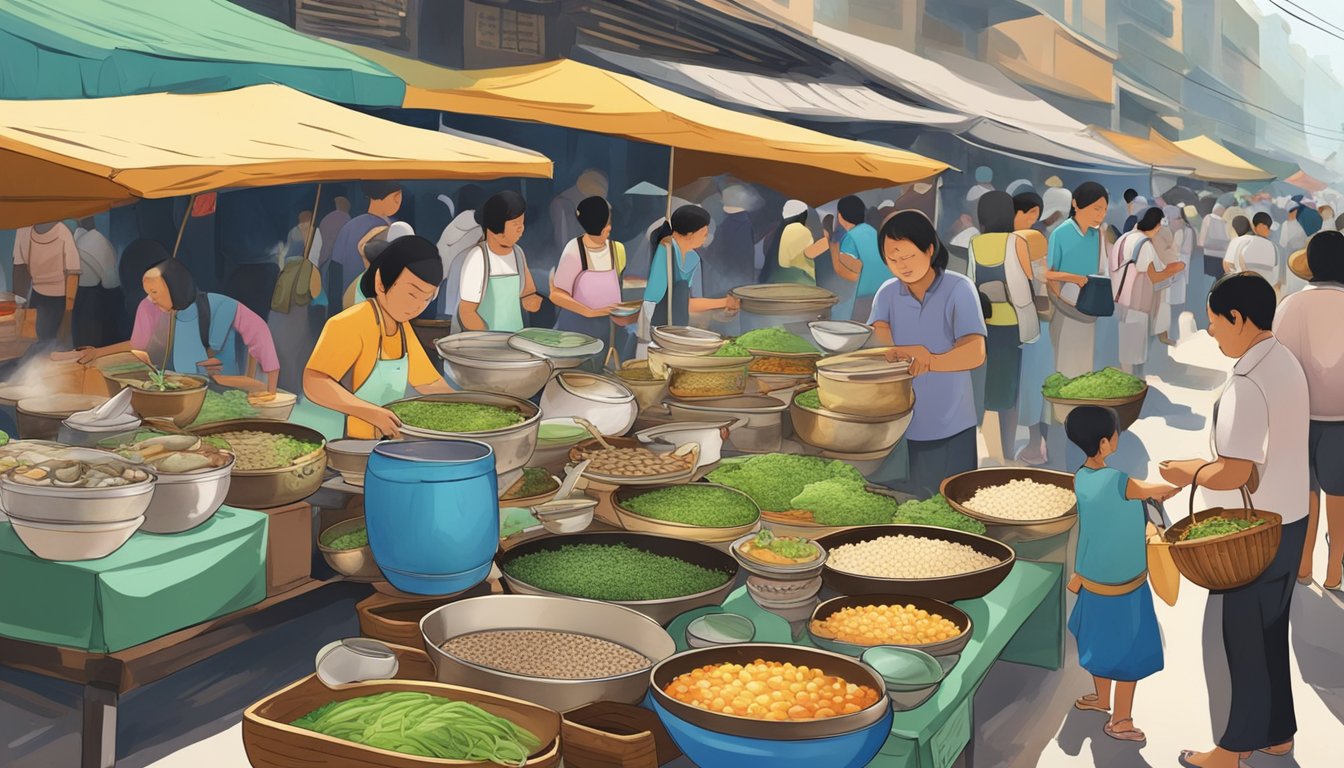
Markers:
(1260, 428)
(1138, 272)
(1076, 253)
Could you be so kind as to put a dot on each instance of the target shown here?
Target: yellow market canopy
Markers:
(1207, 149)
(709, 140)
(1166, 155)
(73, 157)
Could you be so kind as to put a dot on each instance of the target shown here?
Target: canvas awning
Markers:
(709, 140)
(1205, 148)
(1170, 157)
(1304, 180)
(75, 49)
(74, 157)
(1015, 121)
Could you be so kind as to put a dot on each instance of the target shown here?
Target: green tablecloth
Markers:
(152, 586)
(935, 733)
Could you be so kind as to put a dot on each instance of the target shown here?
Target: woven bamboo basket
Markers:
(1225, 562)
(1126, 408)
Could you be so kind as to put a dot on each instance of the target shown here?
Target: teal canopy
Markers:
(72, 49)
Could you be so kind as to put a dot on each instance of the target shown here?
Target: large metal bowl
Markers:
(662, 611)
(762, 428)
(76, 506)
(845, 433)
(513, 445)
(483, 361)
(852, 670)
(946, 610)
(687, 340)
(184, 500)
(660, 360)
(266, 488)
(962, 586)
(181, 406)
(560, 614)
(632, 521)
(784, 299)
(349, 457)
(874, 389)
(959, 489)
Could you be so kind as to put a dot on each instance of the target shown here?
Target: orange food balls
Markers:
(770, 690)
(886, 625)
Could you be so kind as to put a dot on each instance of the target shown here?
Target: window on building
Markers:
(1156, 15)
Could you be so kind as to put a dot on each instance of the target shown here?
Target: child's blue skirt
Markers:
(1118, 638)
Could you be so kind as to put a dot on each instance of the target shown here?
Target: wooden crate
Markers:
(289, 546)
(611, 735)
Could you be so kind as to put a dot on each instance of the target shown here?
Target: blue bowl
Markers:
(432, 511)
(709, 749)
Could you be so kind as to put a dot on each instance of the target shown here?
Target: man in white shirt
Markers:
(1241, 225)
(95, 321)
(46, 272)
(1260, 427)
(1256, 253)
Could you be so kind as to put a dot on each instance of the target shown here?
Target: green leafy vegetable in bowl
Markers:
(843, 501)
(455, 417)
(768, 547)
(349, 540)
(694, 504)
(225, 406)
(535, 480)
(613, 572)
(733, 348)
(809, 399)
(775, 340)
(772, 480)
(424, 725)
(1106, 384)
(553, 338)
(1218, 526)
(4, 437)
(937, 512)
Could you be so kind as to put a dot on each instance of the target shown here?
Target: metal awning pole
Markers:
(671, 252)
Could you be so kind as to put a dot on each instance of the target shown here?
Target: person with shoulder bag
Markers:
(1076, 263)
(1139, 275)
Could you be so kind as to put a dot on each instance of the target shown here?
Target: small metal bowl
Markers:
(847, 434)
(349, 457)
(719, 629)
(946, 610)
(797, 572)
(686, 340)
(562, 516)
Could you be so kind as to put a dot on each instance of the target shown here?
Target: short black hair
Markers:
(1086, 194)
(852, 209)
(1241, 225)
(995, 211)
(181, 285)
(1088, 425)
(1150, 219)
(915, 227)
(499, 209)
(594, 214)
(378, 190)
(1247, 294)
(1025, 201)
(1130, 194)
(1263, 219)
(1325, 257)
(411, 253)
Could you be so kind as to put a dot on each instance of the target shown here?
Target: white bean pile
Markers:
(1022, 500)
(546, 653)
(908, 557)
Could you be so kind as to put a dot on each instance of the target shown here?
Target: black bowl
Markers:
(962, 586)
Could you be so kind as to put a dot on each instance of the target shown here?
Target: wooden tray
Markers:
(610, 735)
(271, 742)
(397, 620)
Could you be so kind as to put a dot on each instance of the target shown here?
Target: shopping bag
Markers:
(1095, 299)
(1162, 573)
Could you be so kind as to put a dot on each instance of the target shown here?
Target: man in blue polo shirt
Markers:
(858, 256)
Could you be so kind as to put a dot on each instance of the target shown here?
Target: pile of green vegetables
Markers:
(423, 725)
(224, 406)
(733, 348)
(792, 547)
(772, 480)
(937, 512)
(612, 572)
(809, 399)
(535, 481)
(775, 340)
(348, 540)
(1106, 384)
(4, 437)
(842, 501)
(694, 504)
(455, 417)
(1218, 526)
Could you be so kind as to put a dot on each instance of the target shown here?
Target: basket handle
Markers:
(1194, 486)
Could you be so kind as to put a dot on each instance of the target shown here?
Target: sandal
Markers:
(1287, 749)
(1186, 754)
(1090, 703)
(1128, 734)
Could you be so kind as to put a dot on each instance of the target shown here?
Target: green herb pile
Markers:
(1105, 384)
(936, 511)
(224, 406)
(420, 724)
(4, 437)
(734, 348)
(613, 572)
(792, 547)
(775, 340)
(159, 382)
(455, 417)
(843, 501)
(809, 399)
(349, 540)
(772, 480)
(535, 481)
(694, 504)
(1218, 526)
(552, 338)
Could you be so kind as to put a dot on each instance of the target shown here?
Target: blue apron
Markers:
(183, 333)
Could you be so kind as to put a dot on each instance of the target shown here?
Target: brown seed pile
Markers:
(704, 383)
(545, 653)
(634, 462)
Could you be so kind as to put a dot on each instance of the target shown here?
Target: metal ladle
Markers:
(592, 430)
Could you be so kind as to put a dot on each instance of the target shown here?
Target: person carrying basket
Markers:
(1260, 428)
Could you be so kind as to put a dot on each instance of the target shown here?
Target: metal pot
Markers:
(183, 501)
(266, 488)
(844, 433)
(483, 361)
(605, 401)
(513, 446)
(763, 429)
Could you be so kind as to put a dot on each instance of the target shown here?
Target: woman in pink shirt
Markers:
(587, 281)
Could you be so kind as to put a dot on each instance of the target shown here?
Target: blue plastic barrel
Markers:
(432, 513)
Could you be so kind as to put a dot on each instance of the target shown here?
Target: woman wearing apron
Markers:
(181, 329)
(496, 285)
(362, 361)
(1076, 252)
(688, 230)
(587, 281)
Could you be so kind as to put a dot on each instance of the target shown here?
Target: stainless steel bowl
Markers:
(349, 457)
(185, 500)
(843, 433)
(662, 611)
(560, 614)
(483, 361)
(76, 506)
(763, 427)
(686, 340)
(266, 488)
(513, 445)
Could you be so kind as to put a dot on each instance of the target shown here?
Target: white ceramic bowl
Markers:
(836, 336)
(355, 660)
(72, 542)
(686, 340)
(707, 434)
(565, 515)
(603, 400)
(185, 500)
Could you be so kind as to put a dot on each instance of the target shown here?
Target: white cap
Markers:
(886, 204)
(398, 229)
(975, 193)
(793, 208)
(1021, 185)
(1056, 200)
